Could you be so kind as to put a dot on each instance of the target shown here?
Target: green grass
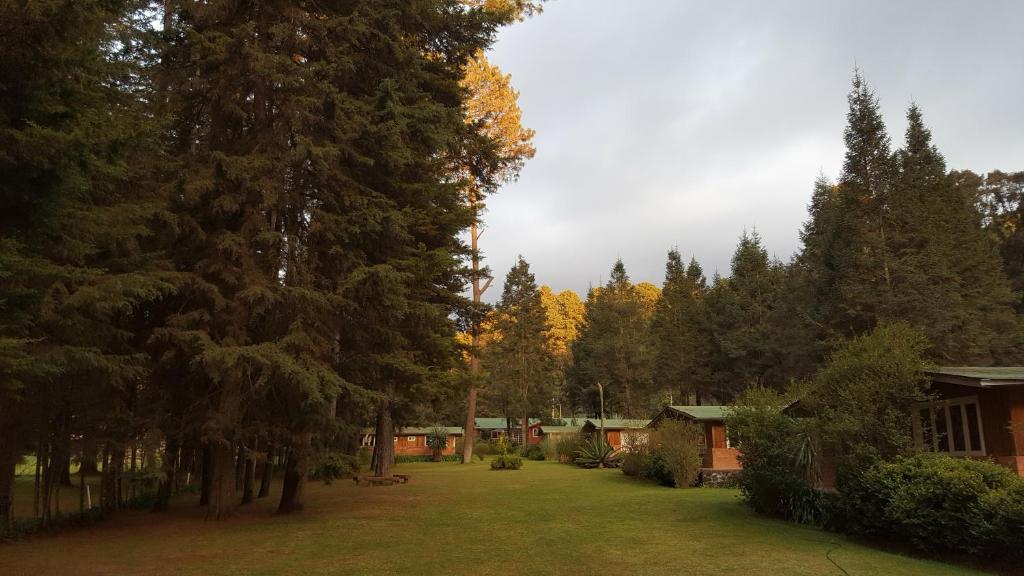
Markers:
(547, 518)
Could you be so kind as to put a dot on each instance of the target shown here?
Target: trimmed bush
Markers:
(936, 502)
(506, 462)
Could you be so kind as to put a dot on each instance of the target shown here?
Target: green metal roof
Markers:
(559, 429)
(983, 376)
(417, 430)
(617, 423)
(499, 423)
(701, 413)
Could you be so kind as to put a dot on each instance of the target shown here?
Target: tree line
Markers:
(230, 231)
(897, 238)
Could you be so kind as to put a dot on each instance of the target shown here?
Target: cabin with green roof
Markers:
(978, 412)
(719, 456)
(620, 433)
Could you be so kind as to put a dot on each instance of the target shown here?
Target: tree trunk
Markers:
(384, 447)
(469, 434)
(268, 473)
(222, 476)
(526, 428)
(206, 479)
(249, 474)
(8, 463)
(166, 486)
(296, 469)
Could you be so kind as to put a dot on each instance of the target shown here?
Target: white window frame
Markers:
(535, 432)
(369, 439)
(410, 439)
(948, 405)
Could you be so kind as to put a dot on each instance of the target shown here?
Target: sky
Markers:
(671, 123)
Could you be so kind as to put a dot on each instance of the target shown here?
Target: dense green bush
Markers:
(778, 467)
(533, 452)
(677, 445)
(936, 502)
(331, 466)
(595, 452)
(658, 471)
(506, 462)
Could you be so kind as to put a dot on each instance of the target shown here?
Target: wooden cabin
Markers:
(619, 432)
(977, 413)
(413, 441)
(717, 452)
(495, 428)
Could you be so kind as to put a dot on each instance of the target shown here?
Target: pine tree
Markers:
(519, 362)
(494, 147)
(741, 310)
(679, 332)
(75, 259)
(614, 350)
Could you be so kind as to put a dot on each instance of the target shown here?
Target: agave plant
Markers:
(595, 452)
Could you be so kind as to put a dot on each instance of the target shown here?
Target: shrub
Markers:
(777, 461)
(533, 452)
(658, 471)
(550, 448)
(936, 502)
(506, 462)
(677, 444)
(595, 452)
(635, 463)
(331, 466)
(437, 441)
(567, 446)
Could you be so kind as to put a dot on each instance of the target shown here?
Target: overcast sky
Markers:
(676, 123)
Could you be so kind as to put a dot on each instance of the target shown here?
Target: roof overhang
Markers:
(974, 381)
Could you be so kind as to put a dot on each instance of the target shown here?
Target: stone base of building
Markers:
(710, 478)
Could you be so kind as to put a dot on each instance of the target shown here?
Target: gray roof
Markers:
(979, 376)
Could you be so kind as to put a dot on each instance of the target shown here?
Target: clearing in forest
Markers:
(547, 518)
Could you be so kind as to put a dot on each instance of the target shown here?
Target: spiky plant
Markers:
(595, 452)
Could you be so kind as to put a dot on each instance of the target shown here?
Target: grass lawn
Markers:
(544, 519)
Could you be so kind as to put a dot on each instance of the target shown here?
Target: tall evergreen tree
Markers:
(614, 350)
(741, 310)
(75, 259)
(679, 333)
(519, 362)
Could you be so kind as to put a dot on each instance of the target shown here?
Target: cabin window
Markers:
(535, 432)
(410, 439)
(369, 440)
(950, 426)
